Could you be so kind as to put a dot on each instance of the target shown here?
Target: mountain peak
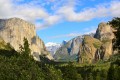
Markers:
(51, 44)
(52, 47)
(64, 42)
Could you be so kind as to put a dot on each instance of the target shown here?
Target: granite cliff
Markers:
(105, 34)
(88, 49)
(99, 47)
(13, 31)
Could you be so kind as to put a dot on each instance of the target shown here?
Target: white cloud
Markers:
(31, 13)
(115, 9)
(62, 10)
(102, 10)
(25, 11)
(50, 20)
(5, 8)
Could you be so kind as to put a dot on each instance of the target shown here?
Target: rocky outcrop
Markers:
(88, 49)
(105, 34)
(13, 31)
(99, 47)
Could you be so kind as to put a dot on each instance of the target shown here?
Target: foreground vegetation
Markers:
(21, 66)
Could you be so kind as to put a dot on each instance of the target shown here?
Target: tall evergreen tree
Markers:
(25, 50)
(116, 25)
(90, 76)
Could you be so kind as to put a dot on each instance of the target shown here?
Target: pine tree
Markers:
(111, 73)
(25, 50)
(116, 25)
(90, 76)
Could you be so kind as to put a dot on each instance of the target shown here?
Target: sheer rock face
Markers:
(105, 34)
(99, 47)
(88, 49)
(14, 30)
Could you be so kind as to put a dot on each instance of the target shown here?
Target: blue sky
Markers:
(58, 20)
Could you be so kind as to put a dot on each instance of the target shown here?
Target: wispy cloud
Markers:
(88, 30)
(62, 10)
(50, 20)
(102, 10)
(65, 35)
(26, 11)
(75, 34)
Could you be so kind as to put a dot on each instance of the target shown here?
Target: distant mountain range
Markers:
(66, 50)
(52, 47)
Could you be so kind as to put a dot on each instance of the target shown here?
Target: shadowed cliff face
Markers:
(13, 31)
(99, 47)
(69, 50)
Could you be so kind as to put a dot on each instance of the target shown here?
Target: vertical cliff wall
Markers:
(105, 34)
(99, 47)
(13, 31)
